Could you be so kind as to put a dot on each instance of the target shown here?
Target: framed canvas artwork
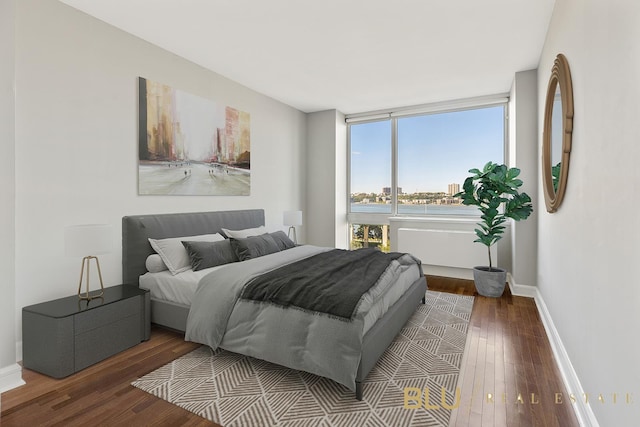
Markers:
(189, 145)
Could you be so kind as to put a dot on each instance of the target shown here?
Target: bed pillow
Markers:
(155, 264)
(247, 232)
(174, 254)
(209, 254)
(254, 246)
(282, 240)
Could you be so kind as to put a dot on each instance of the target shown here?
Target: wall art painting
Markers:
(189, 145)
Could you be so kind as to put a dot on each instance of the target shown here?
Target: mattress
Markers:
(181, 288)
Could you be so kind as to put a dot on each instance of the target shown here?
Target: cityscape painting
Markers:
(189, 145)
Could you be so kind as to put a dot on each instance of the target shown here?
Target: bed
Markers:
(137, 229)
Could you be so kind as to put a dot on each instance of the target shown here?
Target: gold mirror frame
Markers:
(560, 76)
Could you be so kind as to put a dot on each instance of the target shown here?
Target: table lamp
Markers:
(88, 241)
(292, 218)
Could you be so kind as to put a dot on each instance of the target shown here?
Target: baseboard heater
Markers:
(445, 248)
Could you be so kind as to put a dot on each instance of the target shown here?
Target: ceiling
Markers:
(351, 55)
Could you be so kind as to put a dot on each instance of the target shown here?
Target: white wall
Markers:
(523, 154)
(76, 141)
(10, 375)
(326, 179)
(589, 250)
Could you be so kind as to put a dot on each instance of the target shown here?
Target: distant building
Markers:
(453, 189)
(387, 191)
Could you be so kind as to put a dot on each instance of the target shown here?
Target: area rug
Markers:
(235, 390)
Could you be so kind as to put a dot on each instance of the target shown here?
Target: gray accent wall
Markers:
(523, 154)
(326, 179)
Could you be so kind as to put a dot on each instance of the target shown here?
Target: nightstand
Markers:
(63, 336)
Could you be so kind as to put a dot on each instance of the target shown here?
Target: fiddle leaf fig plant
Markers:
(490, 189)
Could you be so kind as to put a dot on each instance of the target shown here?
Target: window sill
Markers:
(436, 218)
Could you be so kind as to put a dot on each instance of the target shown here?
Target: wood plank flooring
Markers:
(508, 356)
(102, 394)
(509, 376)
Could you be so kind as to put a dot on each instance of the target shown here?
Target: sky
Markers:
(434, 150)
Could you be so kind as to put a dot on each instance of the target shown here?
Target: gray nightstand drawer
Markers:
(63, 336)
(47, 344)
(101, 316)
(98, 344)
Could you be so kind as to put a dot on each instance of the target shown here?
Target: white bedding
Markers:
(181, 288)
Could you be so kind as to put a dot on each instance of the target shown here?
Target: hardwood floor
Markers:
(102, 394)
(508, 356)
(509, 376)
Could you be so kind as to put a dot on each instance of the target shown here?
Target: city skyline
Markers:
(452, 188)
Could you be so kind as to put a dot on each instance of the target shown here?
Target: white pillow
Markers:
(174, 254)
(247, 232)
(155, 264)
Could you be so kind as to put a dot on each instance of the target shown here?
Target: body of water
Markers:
(415, 209)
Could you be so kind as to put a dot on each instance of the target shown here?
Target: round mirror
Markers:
(556, 136)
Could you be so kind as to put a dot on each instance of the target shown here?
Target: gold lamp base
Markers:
(86, 261)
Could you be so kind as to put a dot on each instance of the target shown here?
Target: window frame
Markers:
(393, 116)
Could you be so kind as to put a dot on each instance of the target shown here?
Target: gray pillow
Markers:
(209, 254)
(254, 246)
(172, 251)
(282, 240)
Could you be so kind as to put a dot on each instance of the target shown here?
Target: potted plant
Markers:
(494, 190)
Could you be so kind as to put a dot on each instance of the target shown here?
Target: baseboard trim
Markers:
(10, 377)
(583, 410)
(521, 290)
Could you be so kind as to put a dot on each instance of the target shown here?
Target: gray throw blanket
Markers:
(331, 282)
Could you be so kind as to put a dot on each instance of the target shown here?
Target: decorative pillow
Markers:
(155, 264)
(173, 252)
(247, 232)
(209, 254)
(282, 240)
(254, 246)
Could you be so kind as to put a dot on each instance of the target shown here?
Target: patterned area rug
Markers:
(235, 390)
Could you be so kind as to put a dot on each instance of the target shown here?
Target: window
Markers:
(371, 167)
(435, 153)
(414, 164)
(370, 236)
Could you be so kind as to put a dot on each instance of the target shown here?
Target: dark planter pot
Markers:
(490, 283)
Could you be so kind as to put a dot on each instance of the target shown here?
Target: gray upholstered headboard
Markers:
(136, 230)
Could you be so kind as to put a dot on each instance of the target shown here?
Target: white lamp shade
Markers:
(292, 218)
(88, 240)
